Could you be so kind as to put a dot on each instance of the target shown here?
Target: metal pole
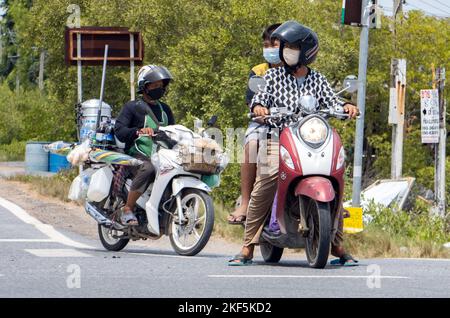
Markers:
(359, 135)
(79, 82)
(442, 144)
(132, 91)
(102, 86)
(79, 88)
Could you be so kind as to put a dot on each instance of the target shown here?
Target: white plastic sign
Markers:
(429, 113)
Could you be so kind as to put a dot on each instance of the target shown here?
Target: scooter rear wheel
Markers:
(318, 217)
(271, 253)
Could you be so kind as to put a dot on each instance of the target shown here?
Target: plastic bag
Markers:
(100, 184)
(79, 154)
(80, 185)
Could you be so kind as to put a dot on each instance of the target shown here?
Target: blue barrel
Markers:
(57, 163)
(36, 158)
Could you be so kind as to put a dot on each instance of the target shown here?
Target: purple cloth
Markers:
(273, 225)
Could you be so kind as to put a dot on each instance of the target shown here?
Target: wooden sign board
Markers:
(93, 41)
(351, 12)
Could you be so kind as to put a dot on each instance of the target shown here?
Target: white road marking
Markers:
(419, 259)
(26, 240)
(306, 276)
(44, 228)
(57, 253)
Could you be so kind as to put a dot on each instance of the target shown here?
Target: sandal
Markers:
(240, 260)
(240, 219)
(128, 218)
(344, 260)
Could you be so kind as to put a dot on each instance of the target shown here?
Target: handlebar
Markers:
(325, 112)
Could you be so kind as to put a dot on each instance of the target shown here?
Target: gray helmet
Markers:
(297, 34)
(152, 73)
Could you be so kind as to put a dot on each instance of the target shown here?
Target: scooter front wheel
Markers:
(190, 236)
(318, 220)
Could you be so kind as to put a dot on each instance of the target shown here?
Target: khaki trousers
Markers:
(262, 196)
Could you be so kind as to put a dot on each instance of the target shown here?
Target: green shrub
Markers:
(15, 151)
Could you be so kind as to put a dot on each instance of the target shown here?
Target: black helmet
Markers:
(297, 34)
(152, 73)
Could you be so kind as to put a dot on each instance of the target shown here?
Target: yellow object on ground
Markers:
(354, 223)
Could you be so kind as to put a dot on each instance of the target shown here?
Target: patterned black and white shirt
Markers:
(282, 90)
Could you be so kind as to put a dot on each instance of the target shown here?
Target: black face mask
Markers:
(156, 93)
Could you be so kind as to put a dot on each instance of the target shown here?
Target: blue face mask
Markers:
(272, 55)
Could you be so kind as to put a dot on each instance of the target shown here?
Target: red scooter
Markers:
(310, 183)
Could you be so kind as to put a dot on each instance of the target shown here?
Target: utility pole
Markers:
(362, 74)
(440, 154)
(397, 114)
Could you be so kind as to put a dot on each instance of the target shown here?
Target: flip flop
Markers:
(344, 260)
(126, 218)
(241, 219)
(242, 261)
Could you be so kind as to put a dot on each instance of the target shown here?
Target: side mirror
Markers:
(256, 83)
(351, 83)
(309, 103)
(212, 121)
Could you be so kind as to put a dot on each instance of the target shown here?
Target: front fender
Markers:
(183, 182)
(317, 188)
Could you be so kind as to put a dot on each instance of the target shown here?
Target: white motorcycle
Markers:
(177, 203)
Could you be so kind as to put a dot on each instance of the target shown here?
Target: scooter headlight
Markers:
(314, 131)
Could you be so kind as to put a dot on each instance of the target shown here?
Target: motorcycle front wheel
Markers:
(318, 220)
(190, 236)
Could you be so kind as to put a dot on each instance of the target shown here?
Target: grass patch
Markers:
(56, 186)
(394, 233)
(233, 233)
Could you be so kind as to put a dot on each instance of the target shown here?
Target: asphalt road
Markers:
(37, 260)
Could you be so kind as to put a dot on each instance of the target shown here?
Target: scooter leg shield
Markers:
(317, 188)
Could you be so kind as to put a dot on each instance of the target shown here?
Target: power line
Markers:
(433, 6)
(442, 4)
(428, 12)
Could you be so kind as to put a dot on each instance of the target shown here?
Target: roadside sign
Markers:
(429, 113)
(124, 46)
(354, 223)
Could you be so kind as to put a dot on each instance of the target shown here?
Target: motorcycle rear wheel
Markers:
(109, 242)
(271, 253)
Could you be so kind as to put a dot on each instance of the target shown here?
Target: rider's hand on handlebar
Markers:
(352, 110)
(146, 131)
(260, 111)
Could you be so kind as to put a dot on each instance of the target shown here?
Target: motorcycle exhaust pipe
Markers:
(100, 218)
